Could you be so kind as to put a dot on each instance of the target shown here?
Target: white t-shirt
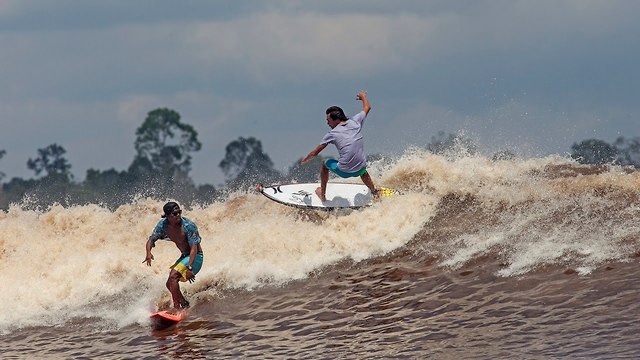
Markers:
(348, 139)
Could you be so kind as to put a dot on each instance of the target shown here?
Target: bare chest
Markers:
(176, 234)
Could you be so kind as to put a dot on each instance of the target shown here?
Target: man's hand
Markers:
(148, 259)
(190, 276)
(362, 96)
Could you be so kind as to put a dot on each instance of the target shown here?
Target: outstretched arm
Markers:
(313, 154)
(362, 96)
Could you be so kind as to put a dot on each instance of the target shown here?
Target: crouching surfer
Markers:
(346, 135)
(184, 233)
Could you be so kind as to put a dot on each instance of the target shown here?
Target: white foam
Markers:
(87, 261)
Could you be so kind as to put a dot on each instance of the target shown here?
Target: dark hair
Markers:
(336, 113)
(170, 207)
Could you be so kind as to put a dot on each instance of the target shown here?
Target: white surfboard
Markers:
(339, 195)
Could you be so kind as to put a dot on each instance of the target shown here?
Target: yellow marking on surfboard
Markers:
(386, 191)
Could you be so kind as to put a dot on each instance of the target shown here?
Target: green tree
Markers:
(593, 151)
(307, 173)
(15, 190)
(628, 151)
(55, 186)
(109, 187)
(51, 160)
(141, 168)
(164, 145)
(246, 163)
(99, 180)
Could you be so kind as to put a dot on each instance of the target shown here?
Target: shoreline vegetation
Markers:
(162, 162)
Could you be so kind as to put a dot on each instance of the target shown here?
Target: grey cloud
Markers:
(246, 68)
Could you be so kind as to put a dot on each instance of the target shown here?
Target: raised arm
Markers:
(362, 96)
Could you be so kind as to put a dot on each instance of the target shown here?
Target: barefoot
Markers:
(375, 193)
(320, 194)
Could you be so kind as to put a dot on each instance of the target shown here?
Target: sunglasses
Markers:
(176, 213)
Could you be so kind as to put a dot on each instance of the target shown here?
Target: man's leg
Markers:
(173, 284)
(324, 178)
(366, 179)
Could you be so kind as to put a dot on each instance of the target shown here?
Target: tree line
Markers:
(161, 167)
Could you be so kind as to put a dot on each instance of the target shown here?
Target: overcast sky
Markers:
(531, 76)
